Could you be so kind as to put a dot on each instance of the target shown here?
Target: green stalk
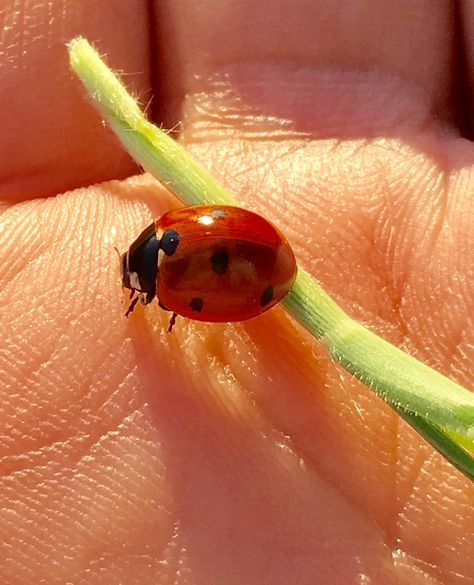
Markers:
(438, 408)
(405, 383)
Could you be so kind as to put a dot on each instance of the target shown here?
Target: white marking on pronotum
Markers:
(134, 281)
(161, 255)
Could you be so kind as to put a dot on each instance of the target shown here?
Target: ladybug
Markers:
(209, 263)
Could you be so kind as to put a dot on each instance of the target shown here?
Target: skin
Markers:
(234, 453)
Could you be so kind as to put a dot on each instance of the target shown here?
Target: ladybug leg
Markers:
(172, 322)
(173, 316)
(131, 306)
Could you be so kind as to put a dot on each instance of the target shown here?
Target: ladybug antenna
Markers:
(118, 253)
(120, 265)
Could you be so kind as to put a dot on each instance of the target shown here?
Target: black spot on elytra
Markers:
(169, 242)
(267, 296)
(220, 262)
(196, 304)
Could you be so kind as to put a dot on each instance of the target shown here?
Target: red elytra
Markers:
(213, 263)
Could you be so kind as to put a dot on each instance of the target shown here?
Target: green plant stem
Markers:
(438, 408)
(398, 378)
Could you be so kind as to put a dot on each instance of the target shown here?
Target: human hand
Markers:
(223, 454)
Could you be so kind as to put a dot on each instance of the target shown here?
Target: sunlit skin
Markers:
(234, 454)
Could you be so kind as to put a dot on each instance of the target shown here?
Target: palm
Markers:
(225, 454)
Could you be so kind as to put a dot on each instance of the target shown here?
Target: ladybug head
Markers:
(139, 265)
